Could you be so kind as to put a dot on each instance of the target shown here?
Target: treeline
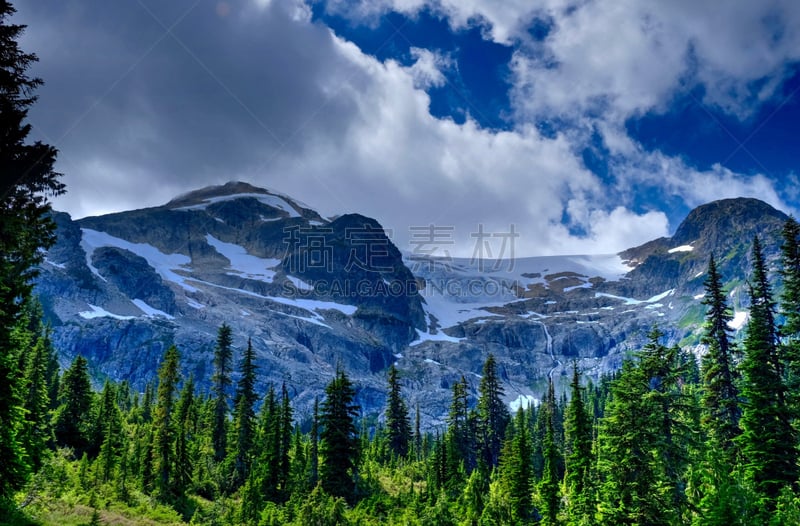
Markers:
(665, 440)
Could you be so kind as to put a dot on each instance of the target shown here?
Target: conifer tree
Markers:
(720, 394)
(398, 427)
(27, 180)
(73, 418)
(459, 442)
(768, 439)
(185, 422)
(223, 358)
(163, 425)
(493, 415)
(790, 309)
(109, 432)
(578, 477)
(516, 469)
(37, 433)
(549, 491)
(244, 417)
(338, 439)
(313, 453)
(285, 425)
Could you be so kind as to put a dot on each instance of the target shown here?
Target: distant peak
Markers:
(229, 188)
(724, 217)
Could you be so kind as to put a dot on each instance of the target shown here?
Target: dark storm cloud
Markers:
(157, 93)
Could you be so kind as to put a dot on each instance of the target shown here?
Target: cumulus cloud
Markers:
(183, 95)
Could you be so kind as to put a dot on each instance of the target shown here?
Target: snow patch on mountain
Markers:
(99, 312)
(682, 248)
(244, 264)
(151, 311)
(270, 200)
(164, 264)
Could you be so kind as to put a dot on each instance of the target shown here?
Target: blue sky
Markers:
(591, 126)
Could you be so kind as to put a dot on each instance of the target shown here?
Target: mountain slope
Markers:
(314, 293)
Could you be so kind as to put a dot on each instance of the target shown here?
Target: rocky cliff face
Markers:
(313, 294)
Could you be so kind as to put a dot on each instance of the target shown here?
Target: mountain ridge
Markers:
(122, 287)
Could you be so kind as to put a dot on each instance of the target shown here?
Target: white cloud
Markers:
(279, 100)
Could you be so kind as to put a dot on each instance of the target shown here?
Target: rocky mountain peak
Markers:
(714, 225)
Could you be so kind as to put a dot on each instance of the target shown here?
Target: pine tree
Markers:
(284, 442)
(25, 227)
(768, 439)
(790, 309)
(398, 427)
(516, 469)
(73, 418)
(720, 394)
(313, 453)
(493, 415)
(338, 440)
(223, 357)
(459, 442)
(163, 425)
(36, 433)
(185, 422)
(244, 417)
(108, 432)
(549, 491)
(578, 477)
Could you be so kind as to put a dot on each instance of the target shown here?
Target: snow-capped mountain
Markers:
(314, 293)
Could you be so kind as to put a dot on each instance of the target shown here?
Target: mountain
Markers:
(315, 293)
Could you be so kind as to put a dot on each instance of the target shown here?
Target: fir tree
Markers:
(398, 427)
(108, 430)
(244, 417)
(768, 439)
(790, 309)
(720, 394)
(338, 440)
(493, 416)
(163, 424)
(185, 422)
(73, 418)
(549, 492)
(578, 477)
(223, 358)
(516, 469)
(25, 227)
(36, 433)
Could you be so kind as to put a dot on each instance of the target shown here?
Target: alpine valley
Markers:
(315, 293)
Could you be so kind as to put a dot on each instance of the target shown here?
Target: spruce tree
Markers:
(721, 409)
(578, 477)
(493, 415)
(338, 439)
(37, 433)
(398, 427)
(223, 359)
(768, 439)
(549, 486)
(185, 422)
(73, 418)
(516, 469)
(244, 417)
(790, 309)
(28, 179)
(108, 430)
(164, 426)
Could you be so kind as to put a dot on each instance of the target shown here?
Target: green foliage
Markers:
(493, 414)
(398, 426)
(223, 358)
(338, 440)
(768, 439)
(73, 417)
